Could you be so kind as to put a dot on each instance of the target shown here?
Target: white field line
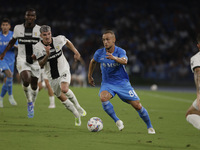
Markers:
(162, 97)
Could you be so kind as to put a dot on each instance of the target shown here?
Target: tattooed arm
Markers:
(197, 83)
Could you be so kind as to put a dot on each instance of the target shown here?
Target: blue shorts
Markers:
(125, 91)
(4, 65)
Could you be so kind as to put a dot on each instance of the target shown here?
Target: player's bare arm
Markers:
(71, 46)
(43, 61)
(122, 60)
(92, 65)
(197, 82)
(9, 46)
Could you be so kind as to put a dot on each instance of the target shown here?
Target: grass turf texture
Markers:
(52, 129)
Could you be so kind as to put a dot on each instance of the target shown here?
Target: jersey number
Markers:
(132, 93)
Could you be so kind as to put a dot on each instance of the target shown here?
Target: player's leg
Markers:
(34, 88)
(25, 76)
(50, 93)
(105, 96)
(71, 96)
(128, 95)
(70, 106)
(65, 82)
(9, 82)
(7, 86)
(9, 79)
(3, 92)
(143, 114)
(193, 115)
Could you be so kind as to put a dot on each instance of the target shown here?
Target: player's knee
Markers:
(136, 104)
(105, 96)
(34, 87)
(25, 83)
(64, 90)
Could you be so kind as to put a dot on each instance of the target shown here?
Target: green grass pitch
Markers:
(53, 129)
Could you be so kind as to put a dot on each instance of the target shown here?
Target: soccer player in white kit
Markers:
(193, 113)
(27, 35)
(49, 54)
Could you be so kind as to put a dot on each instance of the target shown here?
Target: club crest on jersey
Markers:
(58, 47)
(35, 33)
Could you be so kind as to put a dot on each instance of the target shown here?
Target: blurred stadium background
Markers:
(159, 36)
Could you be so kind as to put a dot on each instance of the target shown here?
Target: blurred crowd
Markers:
(158, 36)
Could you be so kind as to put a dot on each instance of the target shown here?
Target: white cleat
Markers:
(1, 102)
(52, 106)
(151, 131)
(120, 125)
(82, 112)
(12, 100)
(78, 121)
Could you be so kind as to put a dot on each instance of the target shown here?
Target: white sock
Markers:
(27, 93)
(70, 106)
(194, 119)
(34, 94)
(70, 95)
(52, 100)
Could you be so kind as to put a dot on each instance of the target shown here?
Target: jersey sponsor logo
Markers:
(4, 43)
(28, 34)
(28, 40)
(55, 55)
(110, 65)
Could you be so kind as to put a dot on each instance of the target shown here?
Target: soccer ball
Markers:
(95, 124)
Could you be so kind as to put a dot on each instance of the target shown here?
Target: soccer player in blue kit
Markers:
(7, 64)
(115, 80)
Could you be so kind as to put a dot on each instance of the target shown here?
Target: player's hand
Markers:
(47, 48)
(91, 81)
(2, 56)
(33, 57)
(77, 57)
(110, 56)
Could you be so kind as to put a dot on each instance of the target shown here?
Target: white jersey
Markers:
(195, 61)
(26, 37)
(56, 64)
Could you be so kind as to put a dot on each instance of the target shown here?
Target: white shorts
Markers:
(55, 83)
(43, 75)
(33, 68)
(194, 104)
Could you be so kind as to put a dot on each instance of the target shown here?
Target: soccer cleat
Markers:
(52, 106)
(78, 121)
(82, 112)
(120, 125)
(1, 102)
(151, 131)
(30, 110)
(12, 100)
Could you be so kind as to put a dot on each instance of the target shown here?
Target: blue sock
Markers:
(9, 85)
(3, 90)
(145, 117)
(108, 108)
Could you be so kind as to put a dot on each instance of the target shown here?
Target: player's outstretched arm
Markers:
(9, 46)
(197, 82)
(92, 65)
(122, 60)
(71, 46)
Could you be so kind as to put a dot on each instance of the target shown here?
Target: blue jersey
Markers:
(112, 71)
(4, 40)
